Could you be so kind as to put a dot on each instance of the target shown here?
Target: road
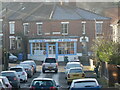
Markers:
(58, 77)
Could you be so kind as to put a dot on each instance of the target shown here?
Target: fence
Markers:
(110, 72)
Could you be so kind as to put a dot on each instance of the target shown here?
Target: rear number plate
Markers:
(50, 67)
(75, 75)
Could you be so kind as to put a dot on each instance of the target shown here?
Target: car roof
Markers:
(17, 67)
(3, 77)
(85, 79)
(73, 63)
(43, 78)
(23, 65)
(8, 71)
(76, 68)
(29, 61)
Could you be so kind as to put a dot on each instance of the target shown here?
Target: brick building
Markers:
(51, 29)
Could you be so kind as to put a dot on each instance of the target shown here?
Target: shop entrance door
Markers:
(52, 50)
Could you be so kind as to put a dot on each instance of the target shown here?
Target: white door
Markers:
(51, 51)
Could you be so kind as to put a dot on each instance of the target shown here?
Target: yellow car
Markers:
(75, 73)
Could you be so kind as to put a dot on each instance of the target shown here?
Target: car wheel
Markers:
(68, 83)
(43, 71)
(30, 75)
(56, 71)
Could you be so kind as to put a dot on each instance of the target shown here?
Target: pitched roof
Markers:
(29, 11)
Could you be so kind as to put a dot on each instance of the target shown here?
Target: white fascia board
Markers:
(12, 22)
(64, 22)
(25, 23)
(83, 22)
(39, 23)
(11, 36)
(99, 21)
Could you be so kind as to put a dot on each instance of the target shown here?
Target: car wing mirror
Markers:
(28, 85)
(100, 86)
(68, 87)
(58, 86)
(7, 85)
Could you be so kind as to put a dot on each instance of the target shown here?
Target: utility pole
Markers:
(5, 48)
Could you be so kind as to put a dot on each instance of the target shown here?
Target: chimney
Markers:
(68, 2)
(72, 2)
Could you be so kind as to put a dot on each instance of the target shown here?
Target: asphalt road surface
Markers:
(58, 77)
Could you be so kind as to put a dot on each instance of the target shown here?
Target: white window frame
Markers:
(18, 41)
(12, 27)
(25, 24)
(98, 22)
(83, 27)
(39, 28)
(11, 37)
(63, 28)
(1, 39)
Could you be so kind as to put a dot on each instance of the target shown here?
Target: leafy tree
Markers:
(106, 51)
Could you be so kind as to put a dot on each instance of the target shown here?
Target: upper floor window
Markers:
(12, 27)
(1, 25)
(83, 27)
(99, 27)
(64, 28)
(39, 28)
(12, 42)
(26, 28)
(1, 40)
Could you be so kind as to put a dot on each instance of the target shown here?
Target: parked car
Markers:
(20, 72)
(28, 69)
(74, 60)
(71, 65)
(12, 77)
(12, 58)
(30, 62)
(7, 83)
(85, 84)
(2, 85)
(44, 84)
(75, 73)
(50, 64)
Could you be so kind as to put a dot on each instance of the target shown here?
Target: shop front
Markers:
(57, 48)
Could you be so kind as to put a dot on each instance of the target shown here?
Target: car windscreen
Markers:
(16, 69)
(72, 65)
(83, 84)
(42, 83)
(75, 71)
(50, 60)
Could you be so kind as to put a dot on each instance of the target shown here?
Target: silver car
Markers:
(30, 62)
(85, 84)
(50, 64)
(71, 65)
(28, 69)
